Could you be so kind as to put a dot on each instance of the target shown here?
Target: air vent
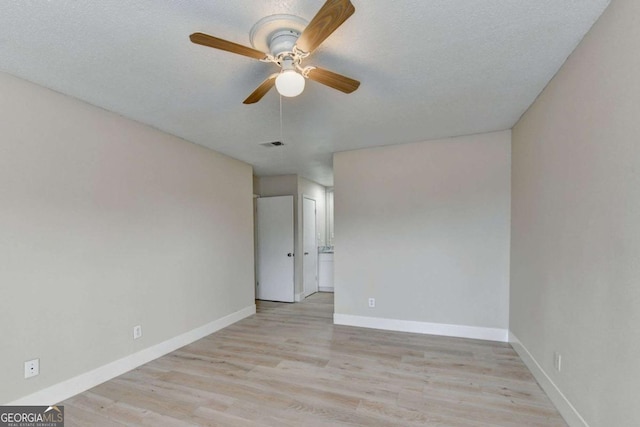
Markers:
(273, 144)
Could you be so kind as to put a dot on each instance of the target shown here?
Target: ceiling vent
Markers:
(273, 144)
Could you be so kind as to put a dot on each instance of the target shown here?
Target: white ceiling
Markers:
(429, 69)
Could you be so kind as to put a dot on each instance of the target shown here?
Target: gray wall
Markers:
(107, 224)
(281, 185)
(424, 229)
(575, 272)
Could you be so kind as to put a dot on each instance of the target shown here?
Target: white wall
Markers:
(107, 224)
(256, 185)
(424, 228)
(281, 185)
(575, 281)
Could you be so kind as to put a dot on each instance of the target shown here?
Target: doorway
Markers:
(309, 247)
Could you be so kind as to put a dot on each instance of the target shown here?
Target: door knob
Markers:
(289, 254)
(306, 253)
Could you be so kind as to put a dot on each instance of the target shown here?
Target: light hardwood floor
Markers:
(290, 366)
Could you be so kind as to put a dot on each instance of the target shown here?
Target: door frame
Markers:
(315, 239)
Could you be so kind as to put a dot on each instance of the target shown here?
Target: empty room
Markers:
(320, 213)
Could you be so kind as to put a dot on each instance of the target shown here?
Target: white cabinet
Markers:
(325, 272)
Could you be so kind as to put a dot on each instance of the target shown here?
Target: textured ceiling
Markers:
(429, 69)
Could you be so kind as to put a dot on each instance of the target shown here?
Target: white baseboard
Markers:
(564, 406)
(460, 331)
(66, 389)
(325, 289)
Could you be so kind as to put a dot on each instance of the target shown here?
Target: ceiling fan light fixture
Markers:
(286, 41)
(290, 83)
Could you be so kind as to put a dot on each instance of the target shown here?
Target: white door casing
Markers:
(309, 247)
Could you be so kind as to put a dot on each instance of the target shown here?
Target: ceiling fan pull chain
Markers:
(282, 157)
(281, 133)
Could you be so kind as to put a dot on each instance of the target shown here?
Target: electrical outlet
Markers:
(372, 302)
(137, 332)
(31, 368)
(557, 361)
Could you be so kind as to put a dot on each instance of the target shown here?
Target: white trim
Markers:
(71, 387)
(299, 297)
(325, 289)
(315, 239)
(461, 331)
(564, 406)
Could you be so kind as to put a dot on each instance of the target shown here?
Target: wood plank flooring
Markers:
(290, 366)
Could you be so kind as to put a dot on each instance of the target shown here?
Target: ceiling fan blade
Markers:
(216, 43)
(334, 80)
(330, 16)
(262, 90)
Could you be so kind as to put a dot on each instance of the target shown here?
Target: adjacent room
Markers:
(321, 212)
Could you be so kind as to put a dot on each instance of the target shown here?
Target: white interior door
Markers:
(310, 247)
(275, 249)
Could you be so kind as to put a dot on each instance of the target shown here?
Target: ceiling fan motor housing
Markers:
(283, 41)
(277, 34)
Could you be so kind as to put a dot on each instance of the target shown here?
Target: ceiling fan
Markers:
(288, 40)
